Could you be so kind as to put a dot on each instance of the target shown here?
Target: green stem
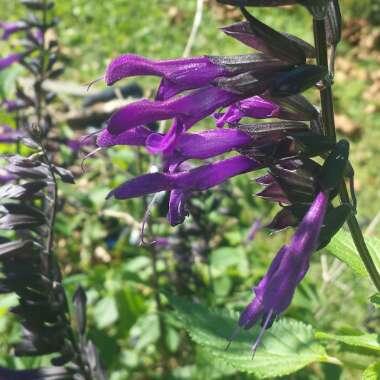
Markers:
(329, 128)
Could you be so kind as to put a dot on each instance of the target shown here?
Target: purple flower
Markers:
(186, 110)
(9, 60)
(135, 136)
(207, 144)
(6, 177)
(255, 107)
(275, 291)
(178, 74)
(177, 206)
(11, 27)
(201, 145)
(198, 179)
(13, 105)
(183, 74)
(10, 135)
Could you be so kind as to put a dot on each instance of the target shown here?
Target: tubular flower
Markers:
(198, 179)
(10, 135)
(186, 73)
(10, 60)
(182, 184)
(11, 27)
(14, 105)
(275, 291)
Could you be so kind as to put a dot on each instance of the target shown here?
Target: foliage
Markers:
(97, 240)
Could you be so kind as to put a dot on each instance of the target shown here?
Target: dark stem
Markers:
(326, 92)
(329, 128)
(53, 208)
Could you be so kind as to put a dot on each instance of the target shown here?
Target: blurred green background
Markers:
(97, 240)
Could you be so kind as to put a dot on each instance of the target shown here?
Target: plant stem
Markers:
(329, 128)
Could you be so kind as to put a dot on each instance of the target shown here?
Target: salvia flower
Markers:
(261, 85)
(216, 82)
(10, 60)
(11, 27)
(198, 179)
(275, 291)
(183, 74)
(14, 104)
(10, 135)
(254, 107)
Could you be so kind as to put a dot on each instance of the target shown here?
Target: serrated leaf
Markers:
(288, 343)
(343, 247)
(372, 372)
(368, 341)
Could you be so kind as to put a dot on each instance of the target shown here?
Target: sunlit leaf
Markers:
(368, 341)
(289, 344)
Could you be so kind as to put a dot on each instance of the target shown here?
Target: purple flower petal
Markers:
(14, 105)
(6, 177)
(177, 207)
(136, 136)
(208, 144)
(157, 142)
(255, 310)
(255, 107)
(251, 314)
(11, 27)
(188, 109)
(179, 74)
(9, 60)
(201, 178)
(305, 240)
(10, 135)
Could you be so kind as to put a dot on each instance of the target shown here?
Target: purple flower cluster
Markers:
(259, 85)
(264, 85)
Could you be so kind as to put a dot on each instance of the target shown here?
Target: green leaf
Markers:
(368, 341)
(375, 299)
(105, 312)
(372, 372)
(288, 343)
(373, 244)
(343, 247)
